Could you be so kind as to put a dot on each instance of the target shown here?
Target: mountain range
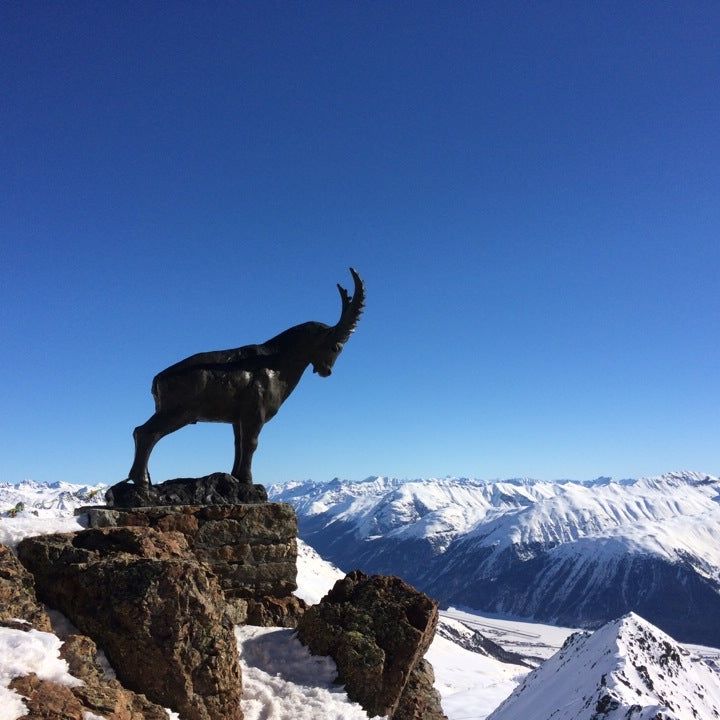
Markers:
(626, 669)
(569, 553)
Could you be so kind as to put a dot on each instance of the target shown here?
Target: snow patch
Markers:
(24, 652)
(283, 681)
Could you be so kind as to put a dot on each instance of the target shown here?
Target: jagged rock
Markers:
(252, 548)
(275, 612)
(17, 595)
(420, 700)
(215, 489)
(376, 629)
(47, 700)
(103, 696)
(157, 613)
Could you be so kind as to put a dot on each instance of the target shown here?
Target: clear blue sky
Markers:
(531, 192)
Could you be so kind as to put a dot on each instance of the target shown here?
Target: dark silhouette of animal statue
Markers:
(244, 386)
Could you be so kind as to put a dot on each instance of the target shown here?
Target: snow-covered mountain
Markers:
(569, 553)
(33, 508)
(58, 499)
(626, 670)
(471, 678)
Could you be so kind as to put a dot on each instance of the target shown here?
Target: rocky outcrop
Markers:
(100, 695)
(17, 595)
(215, 489)
(420, 700)
(157, 612)
(48, 700)
(275, 612)
(251, 548)
(377, 630)
(159, 588)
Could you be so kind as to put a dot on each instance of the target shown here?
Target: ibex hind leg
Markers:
(246, 442)
(147, 436)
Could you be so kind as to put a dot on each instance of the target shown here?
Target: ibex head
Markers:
(331, 346)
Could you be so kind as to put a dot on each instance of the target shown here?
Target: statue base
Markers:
(215, 489)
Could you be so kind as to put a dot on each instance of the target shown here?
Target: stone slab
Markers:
(251, 547)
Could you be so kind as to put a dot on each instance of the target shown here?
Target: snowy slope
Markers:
(315, 576)
(628, 670)
(576, 554)
(283, 681)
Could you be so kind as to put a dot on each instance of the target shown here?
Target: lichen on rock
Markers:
(377, 629)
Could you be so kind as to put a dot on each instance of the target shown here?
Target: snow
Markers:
(283, 681)
(24, 652)
(471, 685)
(45, 508)
(675, 515)
(13, 530)
(315, 576)
(534, 641)
(628, 668)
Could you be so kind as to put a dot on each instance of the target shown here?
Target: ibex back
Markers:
(243, 386)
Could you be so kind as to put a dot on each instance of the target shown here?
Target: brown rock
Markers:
(17, 594)
(101, 695)
(47, 700)
(376, 629)
(251, 547)
(144, 543)
(275, 612)
(420, 700)
(157, 613)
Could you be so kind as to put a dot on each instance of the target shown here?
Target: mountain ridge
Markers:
(569, 553)
(628, 669)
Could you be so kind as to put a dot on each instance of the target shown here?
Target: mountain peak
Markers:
(627, 669)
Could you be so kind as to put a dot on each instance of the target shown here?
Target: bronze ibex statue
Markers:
(244, 386)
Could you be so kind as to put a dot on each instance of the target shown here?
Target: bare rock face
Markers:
(420, 700)
(275, 612)
(252, 548)
(158, 613)
(377, 629)
(100, 695)
(17, 595)
(47, 700)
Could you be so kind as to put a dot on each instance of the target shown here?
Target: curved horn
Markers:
(351, 309)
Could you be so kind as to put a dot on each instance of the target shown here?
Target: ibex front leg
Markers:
(146, 437)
